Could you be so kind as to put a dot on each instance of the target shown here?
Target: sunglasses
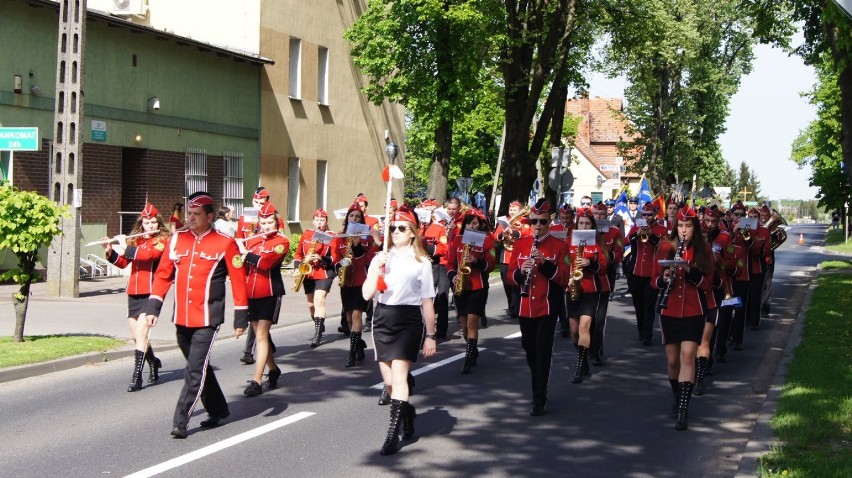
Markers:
(533, 222)
(649, 215)
(585, 203)
(739, 214)
(401, 227)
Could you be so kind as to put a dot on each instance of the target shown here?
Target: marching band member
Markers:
(318, 281)
(614, 243)
(672, 208)
(766, 291)
(760, 247)
(434, 236)
(643, 243)
(363, 203)
(507, 236)
(359, 252)
(176, 219)
(405, 292)
(683, 304)
(198, 261)
(724, 258)
(591, 266)
(142, 255)
(539, 268)
(564, 223)
(263, 255)
(470, 289)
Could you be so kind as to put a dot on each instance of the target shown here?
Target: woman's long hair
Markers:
(346, 220)
(162, 231)
(416, 243)
(177, 211)
(701, 251)
(598, 236)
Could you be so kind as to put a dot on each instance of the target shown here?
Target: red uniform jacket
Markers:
(198, 266)
(263, 265)
(757, 248)
(614, 241)
(144, 257)
(725, 255)
(321, 269)
(486, 261)
(250, 228)
(362, 253)
(644, 251)
(594, 275)
(435, 241)
(522, 229)
(547, 281)
(688, 294)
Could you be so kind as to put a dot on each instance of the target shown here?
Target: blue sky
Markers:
(766, 114)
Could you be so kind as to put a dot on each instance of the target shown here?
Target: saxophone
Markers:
(304, 269)
(344, 264)
(464, 271)
(577, 274)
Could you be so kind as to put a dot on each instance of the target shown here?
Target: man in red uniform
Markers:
(540, 267)
(198, 261)
(643, 243)
(317, 281)
(434, 237)
(759, 247)
(614, 243)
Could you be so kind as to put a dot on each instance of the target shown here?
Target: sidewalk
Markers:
(101, 309)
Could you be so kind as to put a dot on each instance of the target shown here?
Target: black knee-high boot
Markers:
(353, 345)
(391, 443)
(683, 405)
(468, 356)
(675, 394)
(408, 415)
(700, 369)
(154, 366)
(136, 380)
(359, 350)
(319, 327)
(582, 364)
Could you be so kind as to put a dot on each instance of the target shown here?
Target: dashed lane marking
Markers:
(513, 336)
(210, 449)
(429, 367)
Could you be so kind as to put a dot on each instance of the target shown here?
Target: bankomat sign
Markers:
(19, 139)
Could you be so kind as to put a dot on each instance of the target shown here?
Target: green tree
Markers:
(28, 222)
(746, 179)
(426, 55)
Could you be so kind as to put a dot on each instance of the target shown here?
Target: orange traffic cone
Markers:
(801, 238)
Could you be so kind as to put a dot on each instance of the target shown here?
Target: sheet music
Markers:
(604, 225)
(748, 223)
(357, 229)
(321, 237)
(340, 213)
(584, 236)
(423, 215)
(474, 238)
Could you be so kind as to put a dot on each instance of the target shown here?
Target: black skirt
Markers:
(264, 308)
(677, 330)
(136, 305)
(312, 285)
(397, 332)
(471, 302)
(352, 299)
(587, 305)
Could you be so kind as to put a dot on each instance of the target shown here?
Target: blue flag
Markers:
(622, 210)
(644, 193)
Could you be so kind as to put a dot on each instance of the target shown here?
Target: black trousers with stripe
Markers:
(199, 381)
(537, 340)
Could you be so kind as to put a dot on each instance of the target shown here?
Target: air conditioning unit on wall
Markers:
(129, 7)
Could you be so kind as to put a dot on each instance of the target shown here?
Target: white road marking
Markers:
(210, 449)
(431, 366)
(513, 336)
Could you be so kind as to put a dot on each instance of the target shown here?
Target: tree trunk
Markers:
(440, 170)
(21, 310)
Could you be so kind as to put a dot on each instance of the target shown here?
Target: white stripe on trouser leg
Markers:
(203, 374)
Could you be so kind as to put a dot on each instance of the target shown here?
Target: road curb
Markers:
(762, 439)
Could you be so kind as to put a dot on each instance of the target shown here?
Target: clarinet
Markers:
(664, 300)
(525, 287)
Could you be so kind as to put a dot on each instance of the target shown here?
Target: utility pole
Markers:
(66, 162)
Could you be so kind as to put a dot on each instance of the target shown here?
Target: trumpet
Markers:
(644, 235)
(304, 269)
(344, 265)
(525, 287)
(746, 234)
(577, 273)
(510, 235)
(464, 271)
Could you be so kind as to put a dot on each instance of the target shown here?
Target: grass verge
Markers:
(42, 348)
(813, 422)
(836, 242)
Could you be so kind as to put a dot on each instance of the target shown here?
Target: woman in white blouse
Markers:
(402, 279)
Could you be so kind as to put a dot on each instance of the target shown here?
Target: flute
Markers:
(113, 239)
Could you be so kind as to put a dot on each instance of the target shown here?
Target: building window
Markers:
(232, 175)
(597, 196)
(322, 180)
(295, 68)
(195, 171)
(322, 76)
(294, 174)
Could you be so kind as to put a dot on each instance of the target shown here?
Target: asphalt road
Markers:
(324, 421)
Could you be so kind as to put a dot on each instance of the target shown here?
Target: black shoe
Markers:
(154, 367)
(212, 421)
(384, 398)
(273, 378)
(537, 410)
(179, 432)
(247, 359)
(254, 389)
(136, 379)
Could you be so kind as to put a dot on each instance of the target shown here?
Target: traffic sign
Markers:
(19, 139)
(566, 179)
